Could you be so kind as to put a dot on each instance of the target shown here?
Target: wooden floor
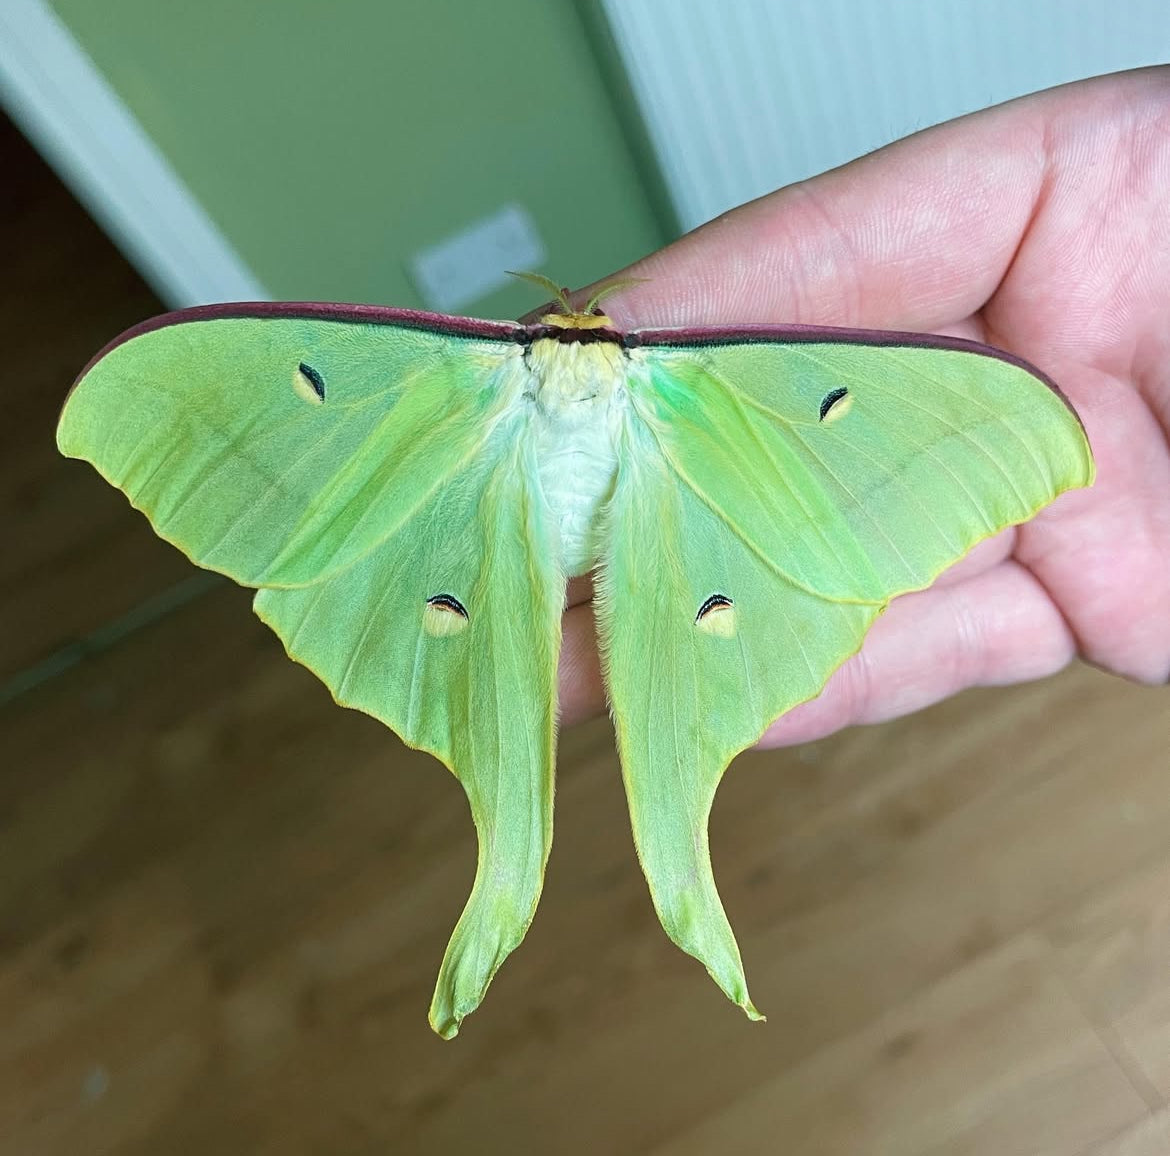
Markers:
(223, 900)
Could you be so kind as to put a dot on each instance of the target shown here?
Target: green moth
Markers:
(409, 491)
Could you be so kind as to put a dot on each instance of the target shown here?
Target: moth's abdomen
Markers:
(579, 396)
(577, 478)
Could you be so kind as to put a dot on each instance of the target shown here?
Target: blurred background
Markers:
(223, 900)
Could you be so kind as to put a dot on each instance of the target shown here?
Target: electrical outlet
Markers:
(472, 263)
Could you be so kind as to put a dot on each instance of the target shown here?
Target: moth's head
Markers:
(590, 317)
(594, 320)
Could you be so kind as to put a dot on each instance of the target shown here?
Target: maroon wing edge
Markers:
(321, 311)
(829, 335)
(514, 331)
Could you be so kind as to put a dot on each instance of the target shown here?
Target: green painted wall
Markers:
(331, 141)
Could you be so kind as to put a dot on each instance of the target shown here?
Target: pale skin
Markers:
(1041, 226)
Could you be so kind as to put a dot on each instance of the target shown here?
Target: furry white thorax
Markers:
(579, 396)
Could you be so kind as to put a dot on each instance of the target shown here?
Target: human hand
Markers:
(1042, 227)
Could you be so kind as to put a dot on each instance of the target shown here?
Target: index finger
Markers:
(917, 235)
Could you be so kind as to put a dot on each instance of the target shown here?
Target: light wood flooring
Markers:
(223, 900)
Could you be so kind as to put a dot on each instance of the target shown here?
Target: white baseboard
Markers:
(64, 105)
